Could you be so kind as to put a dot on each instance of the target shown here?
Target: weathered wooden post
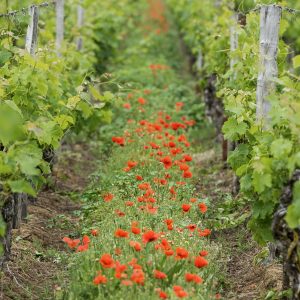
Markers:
(60, 12)
(270, 16)
(80, 20)
(227, 145)
(32, 30)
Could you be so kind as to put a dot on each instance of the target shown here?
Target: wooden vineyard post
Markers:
(270, 16)
(227, 145)
(59, 25)
(80, 20)
(32, 30)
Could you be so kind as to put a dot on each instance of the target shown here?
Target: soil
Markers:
(246, 278)
(38, 253)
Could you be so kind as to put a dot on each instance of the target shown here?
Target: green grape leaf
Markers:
(21, 186)
(232, 129)
(281, 148)
(72, 102)
(64, 121)
(238, 157)
(261, 181)
(293, 211)
(296, 61)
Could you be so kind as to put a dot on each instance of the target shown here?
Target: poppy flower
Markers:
(162, 295)
(82, 248)
(127, 105)
(159, 275)
(186, 207)
(187, 157)
(118, 140)
(187, 174)
(118, 251)
(127, 282)
(71, 243)
(184, 167)
(135, 230)
(149, 236)
(131, 164)
(181, 294)
(100, 279)
(136, 245)
(189, 277)
(129, 203)
(85, 240)
(203, 253)
(106, 261)
(181, 253)
(144, 186)
(204, 232)
(108, 197)
(167, 161)
(138, 276)
(191, 227)
(202, 207)
(138, 177)
(200, 262)
(120, 233)
(169, 252)
(142, 101)
(94, 232)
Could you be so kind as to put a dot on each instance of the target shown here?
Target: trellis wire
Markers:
(283, 8)
(24, 11)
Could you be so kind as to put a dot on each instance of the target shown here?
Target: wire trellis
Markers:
(24, 11)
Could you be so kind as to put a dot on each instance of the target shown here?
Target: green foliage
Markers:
(265, 158)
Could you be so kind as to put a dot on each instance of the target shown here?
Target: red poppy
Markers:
(189, 277)
(169, 252)
(186, 207)
(106, 261)
(129, 203)
(127, 282)
(82, 248)
(181, 253)
(203, 253)
(162, 295)
(138, 276)
(159, 275)
(94, 232)
(150, 236)
(120, 233)
(200, 262)
(191, 227)
(138, 177)
(100, 279)
(108, 197)
(85, 240)
(71, 243)
(135, 230)
(142, 101)
(127, 105)
(118, 140)
(187, 157)
(136, 245)
(131, 164)
(184, 167)
(187, 174)
(167, 161)
(202, 207)
(144, 186)
(204, 232)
